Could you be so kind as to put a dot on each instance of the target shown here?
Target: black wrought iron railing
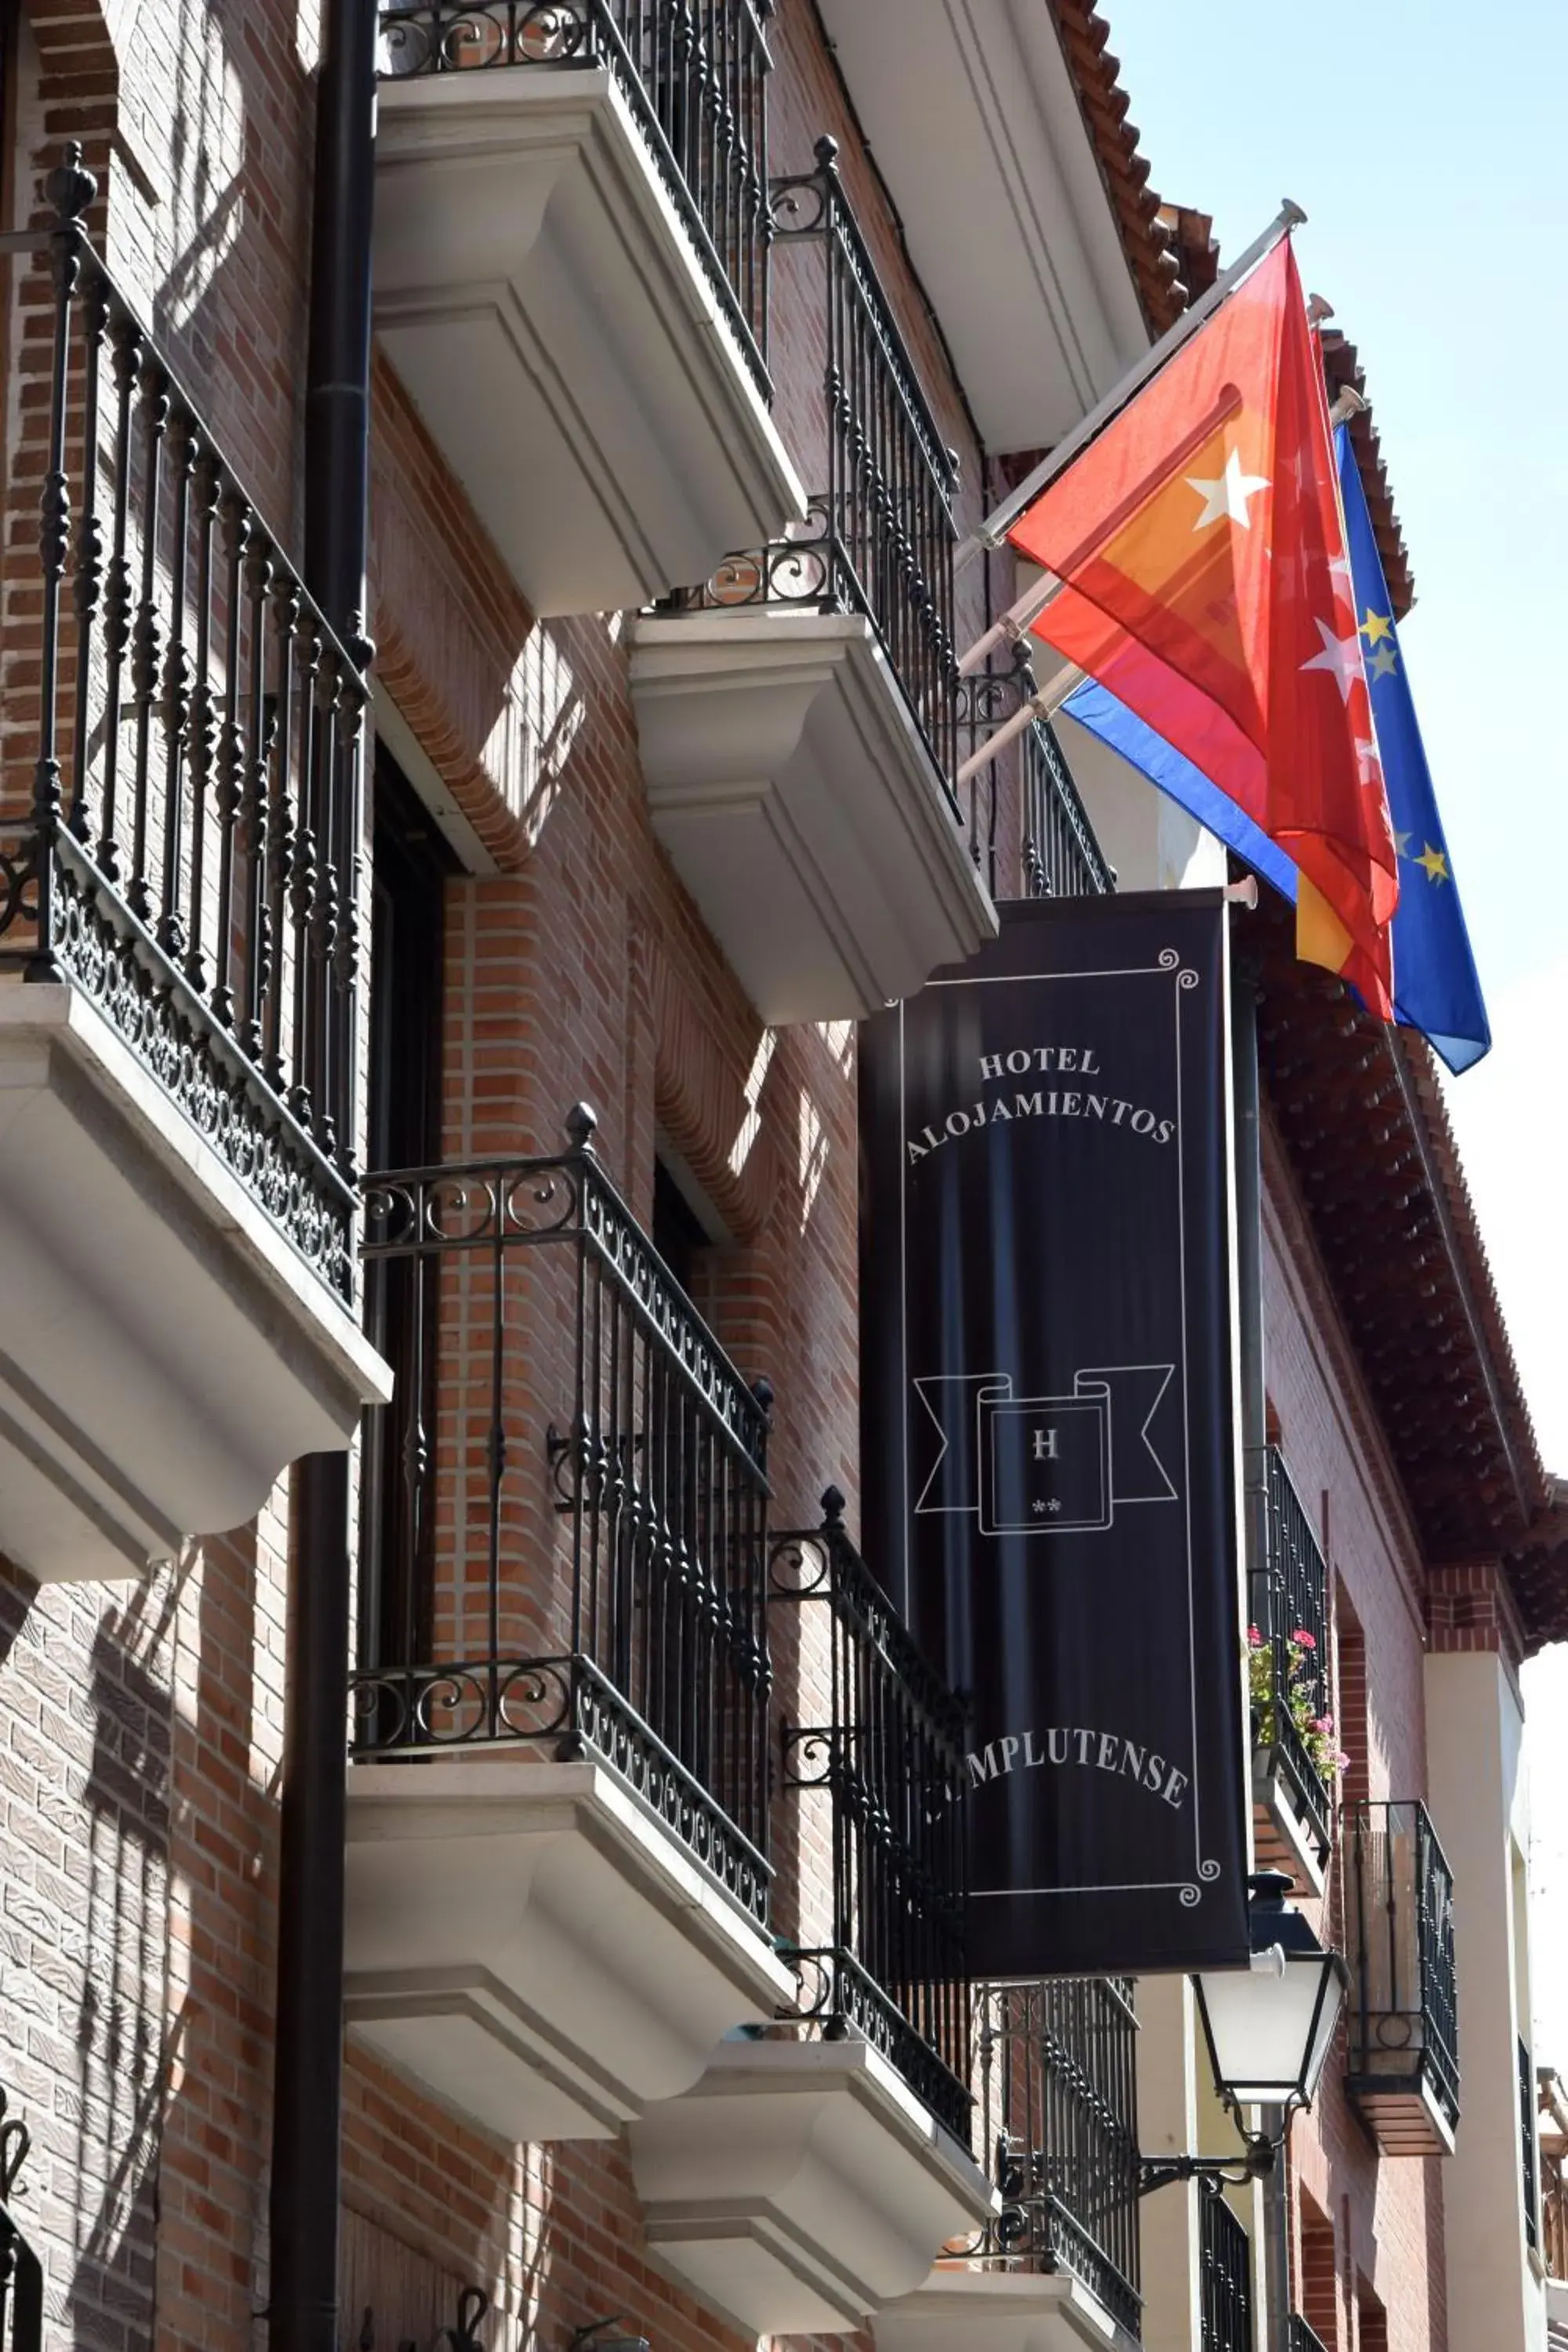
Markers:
(1062, 859)
(1056, 2067)
(887, 1755)
(1225, 2276)
(21, 2273)
(1530, 2180)
(179, 801)
(566, 1501)
(693, 75)
(879, 536)
(1304, 2336)
(1404, 2030)
(1057, 851)
(1290, 1609)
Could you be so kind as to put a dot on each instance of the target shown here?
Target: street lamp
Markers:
(1269, 2029)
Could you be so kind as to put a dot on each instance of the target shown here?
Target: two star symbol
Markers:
(1433, 862)
(1041, 1508)
(1225, 498)
(1343, 654)
(1378, 630)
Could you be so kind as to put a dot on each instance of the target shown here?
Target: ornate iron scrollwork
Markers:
(147, 1003)
(16, 2144)
(651, 1655)
(461, 2335)
(894, 1972)
(190, 860)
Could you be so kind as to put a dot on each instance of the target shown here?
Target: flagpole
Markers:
(1043, 704)
(1013, 623)
(993, 530)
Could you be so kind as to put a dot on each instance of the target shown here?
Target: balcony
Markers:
(1224, 2277)
(557, 1877)
(179, 828)
(1058, 2267)
(1292, 1800)
(1529, 2153)
(812, 2177)
(1062, 859)
(1058, 852)
(978, 120)
(799, 712)
(572, 248)
(1403, 2074)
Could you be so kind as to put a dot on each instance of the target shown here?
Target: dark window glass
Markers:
(678, 1231)
(412, 863)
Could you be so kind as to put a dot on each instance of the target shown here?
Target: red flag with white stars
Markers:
(1205, 585)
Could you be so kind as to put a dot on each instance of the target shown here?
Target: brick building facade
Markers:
(568, 938)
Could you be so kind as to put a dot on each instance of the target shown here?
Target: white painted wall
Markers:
(1153, 843)
(1478, 1804)
(1168, 2126)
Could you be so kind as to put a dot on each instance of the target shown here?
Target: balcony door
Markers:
(412, 863)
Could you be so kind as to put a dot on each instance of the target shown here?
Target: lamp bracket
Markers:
(1254, 2162)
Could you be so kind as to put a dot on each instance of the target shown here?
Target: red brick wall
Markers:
(1471, 1608)
(142, 1721)
(1350, 1709)
(1316, 2275)
(1388, 2212)
(84, 1919)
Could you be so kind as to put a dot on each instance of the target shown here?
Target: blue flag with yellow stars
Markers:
(1435, 985)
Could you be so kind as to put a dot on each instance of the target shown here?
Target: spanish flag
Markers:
(1205, 583)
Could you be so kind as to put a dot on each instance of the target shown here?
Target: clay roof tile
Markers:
(1096, 70)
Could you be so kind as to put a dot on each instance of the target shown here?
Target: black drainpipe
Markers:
(302, 2312)
(1274, 2265)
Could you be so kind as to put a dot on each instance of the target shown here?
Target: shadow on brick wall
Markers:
(119, 2037)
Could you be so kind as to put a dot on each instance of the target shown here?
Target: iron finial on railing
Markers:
(834, 1501)
(473, 2303)
(580, 1123)
(762, 1391)
(359, 641)
(16, 2140)
(70, 187)
(826, 153)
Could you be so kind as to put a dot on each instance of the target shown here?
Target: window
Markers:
(411, 864)
(680, 1236)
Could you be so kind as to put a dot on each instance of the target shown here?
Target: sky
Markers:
(1424, 149)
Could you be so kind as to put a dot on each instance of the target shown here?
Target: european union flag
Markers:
(1436, 989)
(1435, 985)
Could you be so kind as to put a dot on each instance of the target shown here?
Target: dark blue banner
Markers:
(1051, 1476)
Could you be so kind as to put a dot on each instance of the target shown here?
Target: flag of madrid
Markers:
(1205, 583)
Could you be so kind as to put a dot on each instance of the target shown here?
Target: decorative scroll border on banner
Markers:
(1206, 1872)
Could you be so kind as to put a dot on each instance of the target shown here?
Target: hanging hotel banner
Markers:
(1051, 1480)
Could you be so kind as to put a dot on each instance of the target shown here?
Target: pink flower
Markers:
(1342, 1761)
(1324, 1723)
(1255, 1637)
(1302, 1639)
